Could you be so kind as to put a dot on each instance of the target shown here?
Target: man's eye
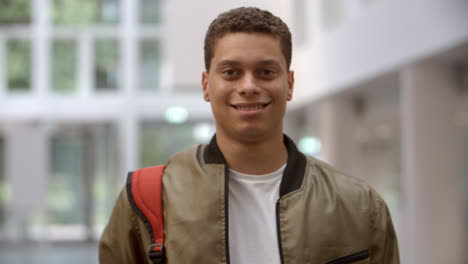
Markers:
(267, 72)
(229, 72)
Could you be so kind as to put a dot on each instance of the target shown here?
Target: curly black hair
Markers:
(249, 20)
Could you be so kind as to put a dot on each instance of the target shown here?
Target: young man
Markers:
(250, 196)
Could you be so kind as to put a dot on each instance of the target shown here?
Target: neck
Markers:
(254, 158)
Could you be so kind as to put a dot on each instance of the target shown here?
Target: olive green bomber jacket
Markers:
(323, 216)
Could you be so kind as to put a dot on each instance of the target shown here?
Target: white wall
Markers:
(432, 167)
(187, 23)
(381, 37)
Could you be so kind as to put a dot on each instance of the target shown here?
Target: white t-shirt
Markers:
(252, 217)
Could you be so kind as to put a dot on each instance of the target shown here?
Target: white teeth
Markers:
(249, 108)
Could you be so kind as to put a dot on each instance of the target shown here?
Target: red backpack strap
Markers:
(144, 191)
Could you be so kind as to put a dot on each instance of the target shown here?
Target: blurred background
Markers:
(91, 89)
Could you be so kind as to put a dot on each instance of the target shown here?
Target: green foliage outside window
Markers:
(64, 65)
(149, 64)
(15, 11)
(84, 12)
(65, 184)
(106, 64)
(150, 11)
(81, 176)
(18, 65)
(105, 187)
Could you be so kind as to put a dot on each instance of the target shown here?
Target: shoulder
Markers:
(187, 157)
(188, 167)
(347, 189)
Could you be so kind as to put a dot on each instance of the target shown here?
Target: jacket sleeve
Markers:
(121, 241)
(384, 249)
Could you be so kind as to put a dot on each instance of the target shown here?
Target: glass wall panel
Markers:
(105, 183)
(18, 65)
(159, 141)
(64, 65)
(106, 65)
(15, 11)
(72, 12)
(65, 190)
(83, 183)
(150, 11)
(149, 71)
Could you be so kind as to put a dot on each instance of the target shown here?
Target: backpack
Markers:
(144, 191)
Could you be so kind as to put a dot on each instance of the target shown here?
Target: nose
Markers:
(248, 86)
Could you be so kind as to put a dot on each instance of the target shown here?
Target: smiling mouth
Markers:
(250, 107)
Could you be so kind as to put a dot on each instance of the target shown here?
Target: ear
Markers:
(290, 85)
(204, 83)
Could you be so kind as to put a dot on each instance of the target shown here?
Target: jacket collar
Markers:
(293, 173)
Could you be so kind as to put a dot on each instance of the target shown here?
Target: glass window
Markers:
(72, 12)
(106, 65)
(149, 65)
(105, 184)
(150, 11)
(159, 141)
(64, 65)
(15, 12)
(84, 181)
(65, 190)
(18, 65)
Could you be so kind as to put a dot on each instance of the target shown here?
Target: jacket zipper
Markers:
(226, 212)
(351, 258)
(278, 231)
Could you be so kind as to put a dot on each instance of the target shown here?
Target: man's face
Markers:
(248, 86)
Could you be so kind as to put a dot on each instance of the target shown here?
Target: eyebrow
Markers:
(269, 62)
(266, 62)
(227, 63)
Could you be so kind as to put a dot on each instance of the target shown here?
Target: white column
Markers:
(40, 47)
(128, 48)
(27, 159)
(336, 132)
(128, 138)
(432, 165)
(85, 62)
(128, 124)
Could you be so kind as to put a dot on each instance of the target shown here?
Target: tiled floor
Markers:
(70, 253)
